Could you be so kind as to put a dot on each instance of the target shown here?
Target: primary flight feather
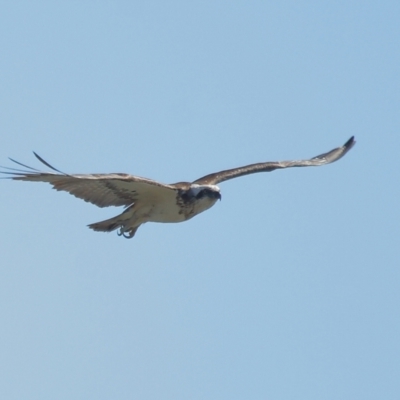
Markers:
(146, 200)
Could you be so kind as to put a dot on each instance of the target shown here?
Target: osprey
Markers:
(146, 200)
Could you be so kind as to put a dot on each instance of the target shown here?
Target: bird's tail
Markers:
(107, 225)
(112, 224)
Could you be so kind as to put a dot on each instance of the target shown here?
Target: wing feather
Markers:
(322, 159)
(103, 190)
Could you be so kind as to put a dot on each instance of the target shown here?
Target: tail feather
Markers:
(112, 224)
(108, 225)
(126, 223)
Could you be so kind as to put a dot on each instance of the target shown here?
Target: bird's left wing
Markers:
(103, 190)
(322, 159)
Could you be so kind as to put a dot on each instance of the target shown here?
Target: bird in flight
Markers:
(146, 200)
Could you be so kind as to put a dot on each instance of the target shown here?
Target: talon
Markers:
(120, 231)
(130, 235)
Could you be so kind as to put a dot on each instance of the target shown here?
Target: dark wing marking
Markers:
(322, 159)
(103, 190)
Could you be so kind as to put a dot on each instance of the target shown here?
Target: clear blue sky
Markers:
(289, 287)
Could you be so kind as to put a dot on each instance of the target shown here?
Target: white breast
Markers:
(169, 212)
(172, 212)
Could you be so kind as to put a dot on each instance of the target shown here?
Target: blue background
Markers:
(289, 287)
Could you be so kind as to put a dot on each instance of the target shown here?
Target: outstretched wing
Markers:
(103, 190)
(322, 159)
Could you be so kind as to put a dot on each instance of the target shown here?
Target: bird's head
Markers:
(209, 192)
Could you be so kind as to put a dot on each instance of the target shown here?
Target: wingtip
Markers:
(47, 164)
(350, 143)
